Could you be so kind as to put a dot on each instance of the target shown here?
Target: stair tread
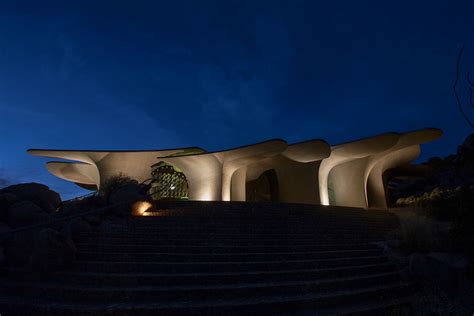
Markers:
(186, 303)
(178, 274)
(201, 257)
(223, 254)
(226, 262)
(140, 288)
(357, 243)
(186, 274)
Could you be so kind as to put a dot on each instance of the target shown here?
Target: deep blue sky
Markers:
(220, 74)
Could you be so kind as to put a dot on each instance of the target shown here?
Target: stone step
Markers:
(263, 229)
(259, 225)
(229, 240)
(231, 235)
(253, 228)
(218, 266)
(267, 215)
(342, 302)
(247, 235)
(209, 278)
(238, 228)
(216, 248)
(262, 226)
(272, 211)
(271, 218)
(208, 257)
(157, 230)
(228, 222)
(255, 224)
(82, 293)
(221, 258)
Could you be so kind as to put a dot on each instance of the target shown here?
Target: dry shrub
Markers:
(113, 183)
(431, 300)
(417, 233)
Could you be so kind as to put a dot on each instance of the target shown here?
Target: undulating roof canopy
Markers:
(309, 172)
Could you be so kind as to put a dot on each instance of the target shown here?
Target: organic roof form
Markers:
(348, 174)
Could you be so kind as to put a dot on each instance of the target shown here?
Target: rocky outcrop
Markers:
(6, 200)
(52, 251)
(36, 193)
(46, 248)
(451, 176)
(19, 246)
(42, 249)
(25, 213)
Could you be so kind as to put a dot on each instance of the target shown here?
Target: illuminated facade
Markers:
(312, 172)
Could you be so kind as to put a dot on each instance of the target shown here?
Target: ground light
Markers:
(139, 208)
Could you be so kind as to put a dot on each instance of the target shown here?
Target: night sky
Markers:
(221, 74)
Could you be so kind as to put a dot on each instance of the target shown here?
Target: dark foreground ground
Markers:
(222, 258)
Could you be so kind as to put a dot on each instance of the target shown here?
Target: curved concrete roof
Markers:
(303, 152)
(81, 173)
(346, 152)
(209, 175)
(105, 163)
(308, 151)
(404, 151)
(304, 168)
(365, 154)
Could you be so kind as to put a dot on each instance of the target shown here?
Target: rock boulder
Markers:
(18, 247)
(6, 200)
(37, 193)
(25, 213)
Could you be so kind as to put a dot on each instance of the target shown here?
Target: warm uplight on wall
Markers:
(205, 196)
(324, 198)
(139, 208)
(203, 193)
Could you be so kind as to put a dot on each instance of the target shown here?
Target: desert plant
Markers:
(432, 300)
(417, 233)
(113, 183)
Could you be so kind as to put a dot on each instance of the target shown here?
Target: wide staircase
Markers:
(221, 259)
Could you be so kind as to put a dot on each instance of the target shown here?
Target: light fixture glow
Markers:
(139, 208)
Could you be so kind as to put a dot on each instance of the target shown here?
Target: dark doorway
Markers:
(264, 188)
